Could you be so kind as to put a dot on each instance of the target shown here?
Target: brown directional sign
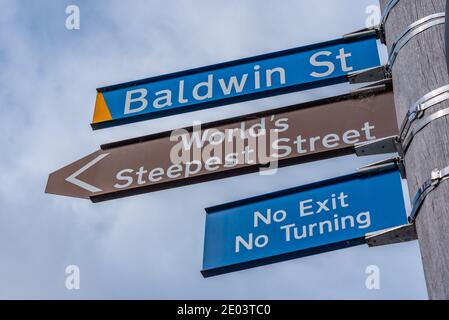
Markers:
(280, 137)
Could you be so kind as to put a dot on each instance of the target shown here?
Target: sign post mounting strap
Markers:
(417, 109)
(399, 144)
(385, 72)
(412, 30)
(387, 12)
(422, 124)
(436, 177)
(395, 143)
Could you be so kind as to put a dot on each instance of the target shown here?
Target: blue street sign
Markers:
(271, 74)
(302, 221)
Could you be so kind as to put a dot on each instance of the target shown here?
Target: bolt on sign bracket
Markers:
(380, 146)
(397, 161)
(404, 233)
(380, 73)
(376, 30)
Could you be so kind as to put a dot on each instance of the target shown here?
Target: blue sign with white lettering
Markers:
(306, 220)
(251, 78)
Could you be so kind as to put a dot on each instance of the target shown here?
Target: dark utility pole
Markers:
(447, 35)
(420, 68)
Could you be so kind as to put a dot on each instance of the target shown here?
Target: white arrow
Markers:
(73, 178)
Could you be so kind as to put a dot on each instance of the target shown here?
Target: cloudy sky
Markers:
(150, 246)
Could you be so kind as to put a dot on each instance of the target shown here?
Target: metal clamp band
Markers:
(416, 111)
(436, 177)
(385, 72)
(412, 30)
(396, 143)
(415, 25)
(387, 11)
(400, 143)
(434, 116)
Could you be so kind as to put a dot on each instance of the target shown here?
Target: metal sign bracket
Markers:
(377, 30)
(397, 161)
(380, 146)
(380, 73)
(404, 233)
(386, 84)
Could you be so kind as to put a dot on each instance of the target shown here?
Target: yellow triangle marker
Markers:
(101, 112)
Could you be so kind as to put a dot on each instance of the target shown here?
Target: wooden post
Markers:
(419, 69)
